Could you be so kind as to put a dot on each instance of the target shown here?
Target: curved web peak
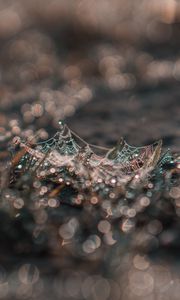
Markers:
(62, 142)
(137, 157)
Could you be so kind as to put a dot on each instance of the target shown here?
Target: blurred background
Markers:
(109, 68)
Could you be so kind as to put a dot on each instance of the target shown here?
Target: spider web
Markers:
(130, 158)
(62, 142)
(66, 149)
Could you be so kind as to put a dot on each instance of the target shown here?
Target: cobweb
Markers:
(62, 142)
(68, 157)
